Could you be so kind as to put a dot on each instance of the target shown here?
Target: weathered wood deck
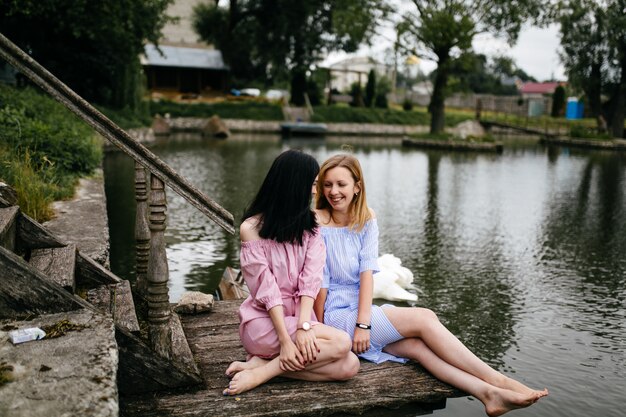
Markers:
(214, 340)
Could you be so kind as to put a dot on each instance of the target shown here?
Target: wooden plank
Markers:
(33, 235)
(8, 227)
(117, 300)
(232, 285)
(141, 370)
(57, 264)
(214, 340)
(25, 291)
(90, 273)
(123, 308)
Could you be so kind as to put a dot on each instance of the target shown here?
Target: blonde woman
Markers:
(390, 333)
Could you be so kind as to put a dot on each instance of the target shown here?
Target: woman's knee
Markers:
(348, 367)
(342, 344)
(426, 316)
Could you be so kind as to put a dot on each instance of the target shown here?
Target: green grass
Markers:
(33, 192)
(393, 115)
(578, 128)
(44, 149)
(338, 113)
(444, 136)
(584, 132)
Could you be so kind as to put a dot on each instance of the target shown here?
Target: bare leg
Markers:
(424, 324)
(239, 366)
(334, 362)
(497, 400)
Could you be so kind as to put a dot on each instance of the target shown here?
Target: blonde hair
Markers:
(358, 210)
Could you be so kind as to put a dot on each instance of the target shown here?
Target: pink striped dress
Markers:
(277, 274)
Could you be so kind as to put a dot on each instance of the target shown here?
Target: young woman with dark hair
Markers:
(282, 259)
(390, 333)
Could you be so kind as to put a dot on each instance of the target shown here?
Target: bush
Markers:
(370, 89)
(357, 95)
(33, 192)
(252, 110)
(381, 101)
(584, 132)
(340, 114)
(45, 148)
(407, 105)
(558, 102)
(382, 89)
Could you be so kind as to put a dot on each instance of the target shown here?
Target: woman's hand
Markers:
(290, 358)
(361, 341)
(306, 342)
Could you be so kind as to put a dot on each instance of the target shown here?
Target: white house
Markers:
(351, 70)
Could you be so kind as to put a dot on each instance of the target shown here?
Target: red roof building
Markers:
(539, 88)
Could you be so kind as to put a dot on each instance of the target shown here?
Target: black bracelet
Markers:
(363, 326)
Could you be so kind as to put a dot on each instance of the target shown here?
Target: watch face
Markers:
(306, 325)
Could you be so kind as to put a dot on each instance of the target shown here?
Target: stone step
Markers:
(74, 374)
(58, 264)
(116, 299)
(8, 227)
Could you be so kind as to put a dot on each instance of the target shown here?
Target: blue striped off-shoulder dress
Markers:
(348, 253)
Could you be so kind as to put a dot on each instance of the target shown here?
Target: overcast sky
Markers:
(536, 51)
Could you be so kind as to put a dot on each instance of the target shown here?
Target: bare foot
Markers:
(513, 385)
(244, 381)
(500, 401)
(238, 366)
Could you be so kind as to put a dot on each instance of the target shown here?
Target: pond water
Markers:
(522, 254)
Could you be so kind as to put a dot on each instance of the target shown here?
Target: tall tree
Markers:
(593, 42)
(584, 51)
(91, 45)
(268, 40)
(443, 30)
(370, 89)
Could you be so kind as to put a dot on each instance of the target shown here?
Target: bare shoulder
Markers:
(322, 216)
(372, 212)
(249, 229)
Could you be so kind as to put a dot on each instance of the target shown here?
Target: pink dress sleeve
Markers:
(261, 281)
(310, 278)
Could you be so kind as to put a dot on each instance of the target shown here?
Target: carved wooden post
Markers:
(159, 312)
(142, 230)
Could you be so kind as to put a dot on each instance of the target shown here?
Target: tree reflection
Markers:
(462, 271)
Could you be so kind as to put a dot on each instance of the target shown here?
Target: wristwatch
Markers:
(306, 326)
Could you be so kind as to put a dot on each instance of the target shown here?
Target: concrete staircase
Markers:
(43, 282)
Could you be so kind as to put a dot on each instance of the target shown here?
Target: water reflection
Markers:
(521, 254)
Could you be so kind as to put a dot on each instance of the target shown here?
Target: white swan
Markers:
(393, 280)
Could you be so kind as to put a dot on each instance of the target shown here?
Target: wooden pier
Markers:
(214, 341)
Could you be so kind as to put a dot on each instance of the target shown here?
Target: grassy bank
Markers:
(251, 110)
(451, 137)
(258, 110)
(417, 116)
(44, 149)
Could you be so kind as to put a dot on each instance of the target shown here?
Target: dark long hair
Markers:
(284, 199)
